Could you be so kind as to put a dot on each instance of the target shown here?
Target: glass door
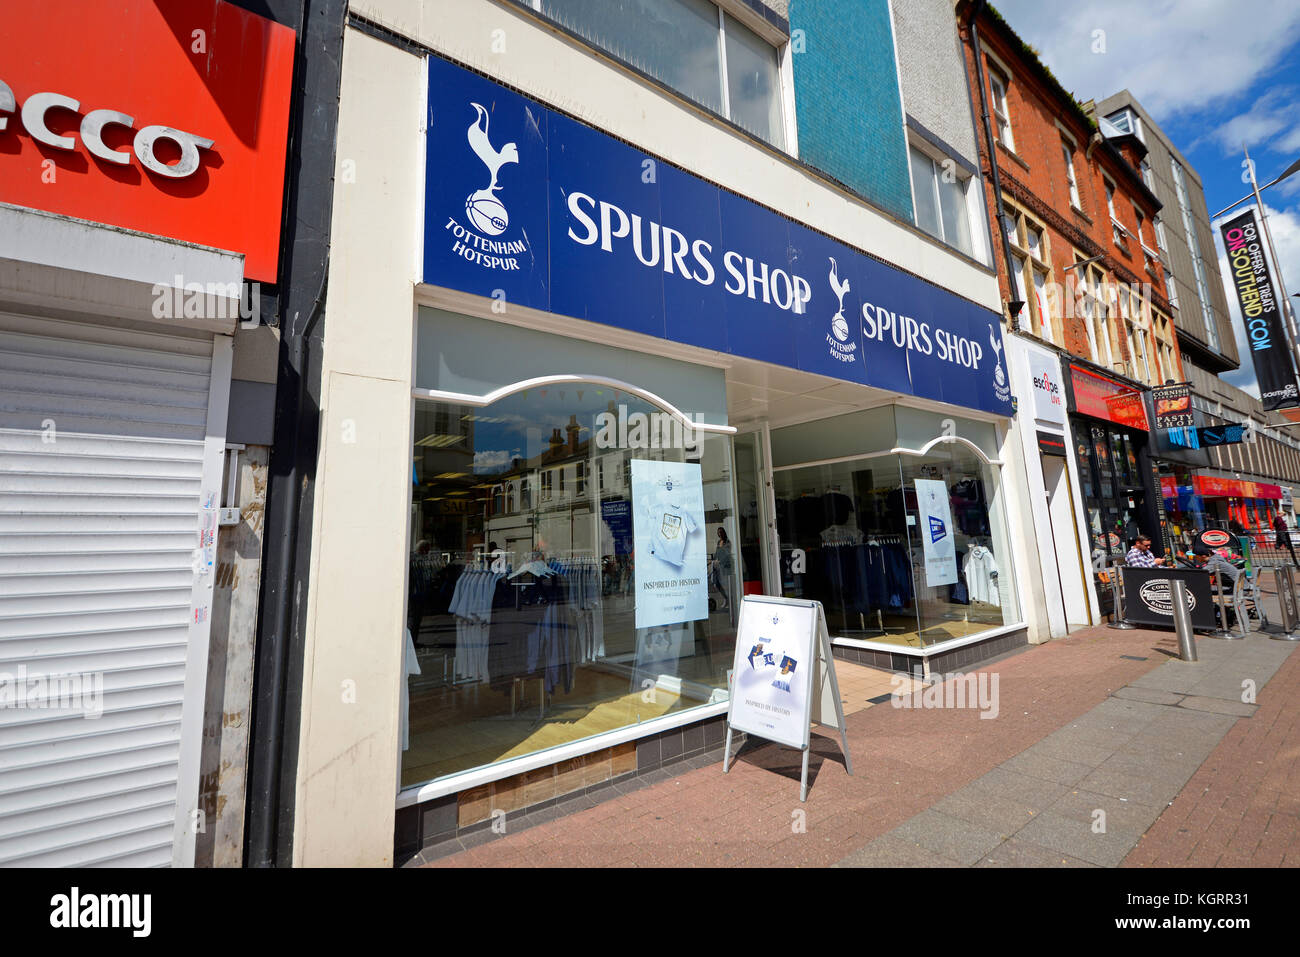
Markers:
(756, 568)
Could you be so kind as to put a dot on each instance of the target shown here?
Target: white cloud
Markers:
(493, 460)
(1173, 56)
(1269, 115)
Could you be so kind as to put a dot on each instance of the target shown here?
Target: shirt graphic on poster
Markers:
(672, 524)
(937, 543)
(981, 574)
(670, 561)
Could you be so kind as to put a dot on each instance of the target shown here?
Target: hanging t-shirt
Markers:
(981, 574)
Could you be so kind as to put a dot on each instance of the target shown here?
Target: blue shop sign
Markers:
(526, 205)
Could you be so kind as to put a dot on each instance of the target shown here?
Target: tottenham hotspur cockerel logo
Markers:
(1000, 386)
(838, 339)
(485, 213)
(484, 208)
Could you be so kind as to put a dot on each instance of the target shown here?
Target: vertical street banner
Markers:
(1260, 311)
(668, 533)
(935, 517)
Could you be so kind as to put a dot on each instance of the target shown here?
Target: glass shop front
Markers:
(579, 545)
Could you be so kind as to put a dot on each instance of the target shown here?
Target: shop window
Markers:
(1113, 490)
(903, 549)
(690, 46)
(524, 622)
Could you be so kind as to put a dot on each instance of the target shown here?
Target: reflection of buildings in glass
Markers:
(443, 469)
(548, 500)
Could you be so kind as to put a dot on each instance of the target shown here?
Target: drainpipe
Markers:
(276, 715)
(1014, 305)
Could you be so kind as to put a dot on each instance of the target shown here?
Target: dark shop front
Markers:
(1109, 423)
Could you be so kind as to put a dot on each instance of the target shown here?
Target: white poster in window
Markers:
(936, 532)
(668, 534)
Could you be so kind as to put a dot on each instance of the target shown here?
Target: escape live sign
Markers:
(526, 203)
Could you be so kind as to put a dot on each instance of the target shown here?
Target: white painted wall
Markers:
(348, 758)
(1055, 523)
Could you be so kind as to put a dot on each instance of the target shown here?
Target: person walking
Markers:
(1284, 537)
(722, 567)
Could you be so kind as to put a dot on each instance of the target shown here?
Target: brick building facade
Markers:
(1070, 195)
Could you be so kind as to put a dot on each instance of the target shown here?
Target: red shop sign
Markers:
(1107, 399)
(167, 117)
(1212, 486)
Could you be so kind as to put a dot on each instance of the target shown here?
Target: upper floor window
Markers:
(1032, 280)
(1117, 228)
(999, 85)
(690, 46)
(940, 191)
(1126, 121)
(1067, 149)
(1093, 306)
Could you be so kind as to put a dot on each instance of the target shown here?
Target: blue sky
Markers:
(1212, 73)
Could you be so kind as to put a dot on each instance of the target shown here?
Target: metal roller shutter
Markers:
(102, 458)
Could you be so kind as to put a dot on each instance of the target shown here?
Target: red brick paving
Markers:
(906, 760)
(1242, 806)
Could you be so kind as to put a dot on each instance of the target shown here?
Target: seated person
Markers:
(1140, 555)
(1210, 560)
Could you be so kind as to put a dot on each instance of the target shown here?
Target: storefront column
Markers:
(348, 747)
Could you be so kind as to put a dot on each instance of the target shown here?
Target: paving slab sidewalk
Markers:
(1087, 793)
(1102, 720)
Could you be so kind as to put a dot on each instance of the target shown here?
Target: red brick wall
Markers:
(1034, 177)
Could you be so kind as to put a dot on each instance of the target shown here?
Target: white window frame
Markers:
(1068, 148)
(974, 211)
(1000, 75)
(1046, 330)
(765, 32)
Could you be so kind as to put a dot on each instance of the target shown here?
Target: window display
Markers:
(856, 535)
(542, 608)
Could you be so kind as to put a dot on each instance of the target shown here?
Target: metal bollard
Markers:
(1182, 619)
(1287, 601)
(1117, 616)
